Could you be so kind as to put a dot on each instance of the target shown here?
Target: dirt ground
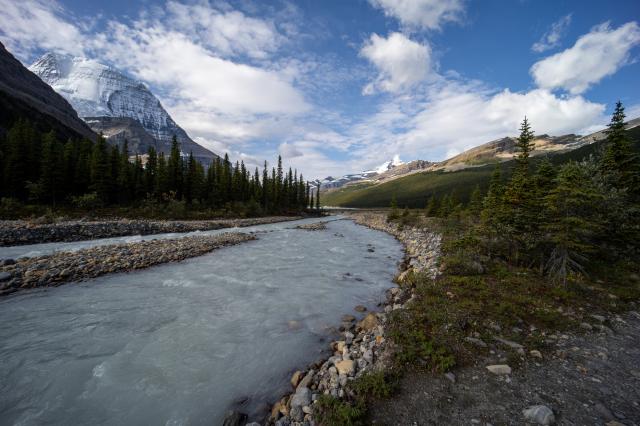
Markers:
(586, 379)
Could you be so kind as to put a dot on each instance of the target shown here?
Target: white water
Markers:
(180, 344)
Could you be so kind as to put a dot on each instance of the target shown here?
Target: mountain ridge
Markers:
(502, 149)
(24, 94)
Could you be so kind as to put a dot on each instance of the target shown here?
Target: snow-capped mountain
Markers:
(331, 182)
(110, 102)
(387, 165)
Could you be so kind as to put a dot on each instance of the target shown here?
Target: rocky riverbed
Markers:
(318, 226)
(20, 232)
(362, 345)
(58, 268)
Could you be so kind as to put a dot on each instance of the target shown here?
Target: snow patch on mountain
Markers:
(331, 182)
(98, 90)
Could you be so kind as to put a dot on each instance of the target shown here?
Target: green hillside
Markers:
(414, 190)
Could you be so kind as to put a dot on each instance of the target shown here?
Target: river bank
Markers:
(62, 267)
(21, 232)
(363, 346)
(524, 353)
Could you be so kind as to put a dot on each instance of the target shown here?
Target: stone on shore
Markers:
(540, 414)
(369, 322)
(360, 308)
(476, 342)
(348, 318)
(499, 369)
(346, 367)
(301, 398)
(295, 379)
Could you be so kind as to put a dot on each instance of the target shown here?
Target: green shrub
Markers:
(87, 201)
(329, 411)
(375, 384)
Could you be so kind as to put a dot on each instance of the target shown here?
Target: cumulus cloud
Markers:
(227, 32)
(595, 55)
(189, 72)
(27, 25)
(401, 62)
(551, 38)
(423, 14)
(453, 115)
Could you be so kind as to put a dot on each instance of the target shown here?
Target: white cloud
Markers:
(401, 62)
(453, 116)
(595, 55)
(26, 25)
(228, 33)
(426, 14)
(190, 73)
(632, 111)
(551, 38)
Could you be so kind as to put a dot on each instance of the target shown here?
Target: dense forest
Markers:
(559, 219)
(41, 169)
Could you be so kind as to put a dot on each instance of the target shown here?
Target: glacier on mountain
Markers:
(331, 182)
(99, 91)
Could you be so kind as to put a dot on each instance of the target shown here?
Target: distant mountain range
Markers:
(491, 152)
(23, 94)
(459, 175)
(115, 105)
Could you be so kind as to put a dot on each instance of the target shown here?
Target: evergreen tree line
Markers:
(557, 219)
(40, 168)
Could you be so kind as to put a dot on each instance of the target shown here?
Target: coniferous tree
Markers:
(151, 171)
(572, 223)
(318, 197)
(432, 207)
(475, 203)
(519, 197)
(620, 163)
(175, 169)
(51, 175)
(101, 170)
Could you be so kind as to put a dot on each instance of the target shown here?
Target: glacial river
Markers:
(182, 343)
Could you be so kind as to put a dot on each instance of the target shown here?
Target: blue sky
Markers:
(342, 86)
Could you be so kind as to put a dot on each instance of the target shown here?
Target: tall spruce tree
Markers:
(620, 162)
(572, 221)
(519, 198)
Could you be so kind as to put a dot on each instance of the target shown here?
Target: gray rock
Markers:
(499, 369)
(451, 377)
(586, 326)
(253, 424)
(476, 342)
(296, 413)
(4, 276)
(7, 262)
(509, 343)
(604, 411)
(306, 381)
(301, 398)
(540, 414)
(599, 318)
